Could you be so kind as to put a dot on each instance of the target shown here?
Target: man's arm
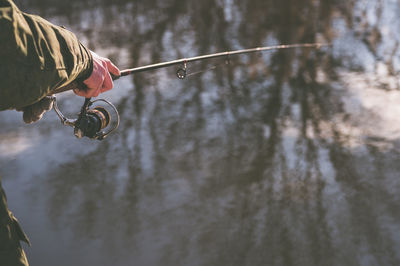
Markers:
(36, 57)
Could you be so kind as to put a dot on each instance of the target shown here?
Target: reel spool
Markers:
(91, 124)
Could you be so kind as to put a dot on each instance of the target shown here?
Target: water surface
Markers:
(288, 157)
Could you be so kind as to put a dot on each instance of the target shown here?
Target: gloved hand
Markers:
(100, 80)
(34, 112)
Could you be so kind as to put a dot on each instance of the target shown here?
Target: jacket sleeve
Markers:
(36, 57)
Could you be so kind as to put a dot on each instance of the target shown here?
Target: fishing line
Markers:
(215, 66)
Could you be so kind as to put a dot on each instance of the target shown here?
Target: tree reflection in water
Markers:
(248, 164)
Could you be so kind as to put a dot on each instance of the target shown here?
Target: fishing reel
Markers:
(94, 123)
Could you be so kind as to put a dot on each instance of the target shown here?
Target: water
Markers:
(288, 157)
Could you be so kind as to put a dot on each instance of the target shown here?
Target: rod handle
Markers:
(79, 85)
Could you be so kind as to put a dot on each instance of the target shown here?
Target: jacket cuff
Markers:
(87, 72)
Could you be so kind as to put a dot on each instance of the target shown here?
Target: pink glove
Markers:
(100, 80)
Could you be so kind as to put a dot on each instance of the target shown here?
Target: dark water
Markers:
(288, 157)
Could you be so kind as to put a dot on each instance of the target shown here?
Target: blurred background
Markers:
(289, 157)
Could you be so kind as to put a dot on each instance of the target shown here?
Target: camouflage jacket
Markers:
(36, 57)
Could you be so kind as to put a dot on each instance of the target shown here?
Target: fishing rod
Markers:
(91, 121)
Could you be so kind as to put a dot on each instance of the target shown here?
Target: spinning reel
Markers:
(93, 123)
